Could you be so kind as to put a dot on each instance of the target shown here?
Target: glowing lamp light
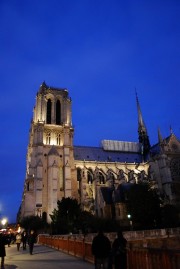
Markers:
(4, 221)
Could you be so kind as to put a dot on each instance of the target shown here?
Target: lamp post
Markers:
(130, 221)
(4, 222)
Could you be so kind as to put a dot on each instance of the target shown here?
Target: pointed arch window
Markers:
(79, 175)
(111, 176)
(101, 178)
(48, 114)
(48, 138)
(58, 112)
(44, 216)
(131, 176)
(121, 175)
(58, 139)
(90, 176)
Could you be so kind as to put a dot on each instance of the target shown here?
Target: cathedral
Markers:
(95, 176)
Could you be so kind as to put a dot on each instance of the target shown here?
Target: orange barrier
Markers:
(150, 258)
(138, 257)
(74, 246)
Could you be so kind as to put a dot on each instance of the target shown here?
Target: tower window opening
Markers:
(48, 115)
(58, 112)
(58, 139)
(48, 138)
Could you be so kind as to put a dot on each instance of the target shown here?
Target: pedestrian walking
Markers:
(3, 242)
(119, 252)
(101, 248)
(24, 239)
(18, 240)
(31, 241)
(8, 238)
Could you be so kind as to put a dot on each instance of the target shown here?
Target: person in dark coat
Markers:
(31, 241)
(119, 252)
(101, 248)
(24, 239)
(3, 242)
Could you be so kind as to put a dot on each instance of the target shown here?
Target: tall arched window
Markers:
(101, 178)
(48, 138)
(111, 176)
(90, 176)
(121, 175)
(44, 216)
(48, 115)
(58, 112)
(79, 176)
(58, 139)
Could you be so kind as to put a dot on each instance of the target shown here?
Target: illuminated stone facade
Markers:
(96, 176)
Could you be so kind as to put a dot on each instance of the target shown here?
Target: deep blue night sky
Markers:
(100, 50)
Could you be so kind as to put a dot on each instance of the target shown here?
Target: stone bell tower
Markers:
(50, 162)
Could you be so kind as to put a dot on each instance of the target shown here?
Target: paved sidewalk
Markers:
(43, 258)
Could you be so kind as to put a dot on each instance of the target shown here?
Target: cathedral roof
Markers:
(156, 149)
(100, 155)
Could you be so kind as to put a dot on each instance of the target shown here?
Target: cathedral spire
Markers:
(43, 87)
(160, 139)
(142, 131)
(171, 130)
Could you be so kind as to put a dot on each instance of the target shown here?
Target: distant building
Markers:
(96, 176)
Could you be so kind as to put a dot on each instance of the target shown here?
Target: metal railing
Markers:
(152, 258)
(138, 256)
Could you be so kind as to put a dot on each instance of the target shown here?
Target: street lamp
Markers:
(4, 222)
(130, 221)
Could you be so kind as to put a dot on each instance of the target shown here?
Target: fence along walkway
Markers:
(141, 254)
(43, 257)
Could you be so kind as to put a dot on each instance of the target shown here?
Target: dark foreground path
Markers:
(43, 258)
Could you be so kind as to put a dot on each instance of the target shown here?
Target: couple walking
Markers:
(105, 255)
(24, 238)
